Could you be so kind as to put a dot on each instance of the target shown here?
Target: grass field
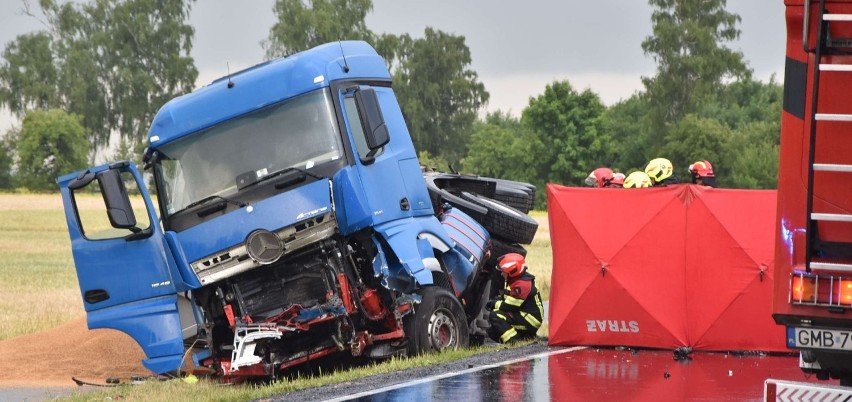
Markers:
(39, 287)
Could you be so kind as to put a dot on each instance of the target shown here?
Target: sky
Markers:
(517, 47)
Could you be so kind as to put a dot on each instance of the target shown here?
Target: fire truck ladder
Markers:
(821, 254)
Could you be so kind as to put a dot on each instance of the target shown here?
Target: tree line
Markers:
(100, 70)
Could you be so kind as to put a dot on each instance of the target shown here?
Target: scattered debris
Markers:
(683, 353)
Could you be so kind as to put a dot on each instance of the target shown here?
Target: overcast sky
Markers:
(517, 47)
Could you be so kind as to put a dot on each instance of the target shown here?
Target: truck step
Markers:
(831, 266)
(833, 117)
(835, 67)
(831, 217)
(832, 167)
(837, 17)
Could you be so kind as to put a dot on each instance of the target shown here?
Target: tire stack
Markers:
(501, 206)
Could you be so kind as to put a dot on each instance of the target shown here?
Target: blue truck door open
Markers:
(126, 276)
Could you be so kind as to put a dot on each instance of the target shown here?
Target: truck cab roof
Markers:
(263, 85)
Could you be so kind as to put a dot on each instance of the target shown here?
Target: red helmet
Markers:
(599, 177)
(701, 169)
(512, 264)
(617, 180)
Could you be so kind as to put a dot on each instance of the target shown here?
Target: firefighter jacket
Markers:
(521, 297)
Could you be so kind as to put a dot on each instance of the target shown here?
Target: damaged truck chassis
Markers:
(294, 222)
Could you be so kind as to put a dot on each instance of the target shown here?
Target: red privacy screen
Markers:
(664, 267)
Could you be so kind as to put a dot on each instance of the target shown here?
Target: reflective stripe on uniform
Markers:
(531, 319)
(513, 301)
(509, 334)
(497, 305)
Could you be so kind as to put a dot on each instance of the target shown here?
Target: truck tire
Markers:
(503, 221)
(500, 248)
(518, 195)
(437, 323)
(515, 197)
(439, 196)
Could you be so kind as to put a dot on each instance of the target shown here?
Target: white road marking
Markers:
(455, 373)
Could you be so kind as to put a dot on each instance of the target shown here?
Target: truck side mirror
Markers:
(119, 210)
(375, 129)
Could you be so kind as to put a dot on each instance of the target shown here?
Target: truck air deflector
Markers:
(154, 324)
(231, 229)
(255, 88)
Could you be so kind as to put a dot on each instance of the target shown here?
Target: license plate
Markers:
(818, 338)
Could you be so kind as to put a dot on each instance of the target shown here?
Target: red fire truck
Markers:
(813, 247)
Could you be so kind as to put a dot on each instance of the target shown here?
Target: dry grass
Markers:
(539, 254)
(39, 289)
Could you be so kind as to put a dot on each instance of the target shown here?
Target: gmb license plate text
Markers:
(818, 338)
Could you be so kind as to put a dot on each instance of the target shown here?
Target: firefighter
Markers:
(517, 311)
(599, 177)
(661, 172)
(605, 177)
(702, 173)
(617, 180)
(637, 180)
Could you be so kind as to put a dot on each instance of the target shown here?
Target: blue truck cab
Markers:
(294, 222)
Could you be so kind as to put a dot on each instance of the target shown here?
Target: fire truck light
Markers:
(803, 289)
(845, 293)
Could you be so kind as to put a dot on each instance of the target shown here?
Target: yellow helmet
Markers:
(659, 169)
(637, 180)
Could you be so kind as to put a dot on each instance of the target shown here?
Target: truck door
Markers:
(390, 173)
(126, 278)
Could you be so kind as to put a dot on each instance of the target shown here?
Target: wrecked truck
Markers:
(295, 222)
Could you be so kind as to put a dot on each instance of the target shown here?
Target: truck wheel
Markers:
(504, 221)
(439, 196)
(516, 194)
(438, 323)
(500, 248)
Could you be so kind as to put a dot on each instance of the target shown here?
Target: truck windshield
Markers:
(221, 160)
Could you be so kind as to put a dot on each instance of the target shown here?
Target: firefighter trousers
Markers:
(507, 326)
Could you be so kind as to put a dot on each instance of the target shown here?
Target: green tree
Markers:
(301, 26)
(498, 148)
(565, 136)
(438, 93)
(695, 138)
(687, 44)
(50, 143)
(5, 166)
(627, 123)
(28, 78)
(753, 154)
(112, 62)
(747, 101)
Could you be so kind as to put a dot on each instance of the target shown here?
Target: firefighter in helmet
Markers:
(637, 180)
(599, 177)
(517, 311)
(661, 172)
(617, 180)
(604, 177)
(702, 173)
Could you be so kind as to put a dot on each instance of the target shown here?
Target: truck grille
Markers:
(235, 260)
